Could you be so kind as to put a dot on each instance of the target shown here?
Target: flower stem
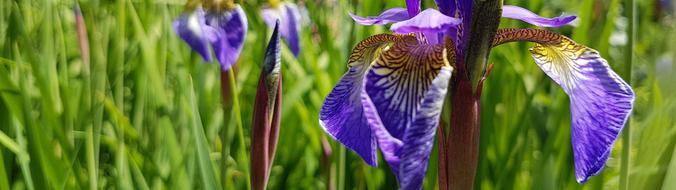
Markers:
(231, 106)
(630, 8)
(459, 142)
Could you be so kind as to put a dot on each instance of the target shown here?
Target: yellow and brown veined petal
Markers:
(600, 100)
(399, 79)
(392, 94)
(407, 85)
(342, 114)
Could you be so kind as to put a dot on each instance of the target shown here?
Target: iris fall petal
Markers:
(600, 101)
(514, 12)
(406, 85)
(420, 134)
(342, 114)
(230, 28)
(192, 28)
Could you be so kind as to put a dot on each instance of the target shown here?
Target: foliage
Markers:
(145, 112)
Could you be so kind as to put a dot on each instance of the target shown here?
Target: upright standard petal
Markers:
(230, 28)
(462, 10)
(428, 21)
(514, 12)
(413, 7)
(289, 15)
(388, 16)
(600, 101)
(342, 114)
(192, 28)
(419, 137)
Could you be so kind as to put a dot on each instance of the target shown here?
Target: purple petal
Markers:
(600, 101)
(342, 114)
(460, 9)
(230, 27)
(428, 21)
(292, 20)
(419, 137)
(406, 86)
(446, 6)
(191, 27)
(389, 146)
(514, 12)
(413, 7)
(289, 15)
(388, 16)
(398, 80)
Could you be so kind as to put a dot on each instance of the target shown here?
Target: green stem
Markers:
(341, 168)
(234, 94)
(630, 8)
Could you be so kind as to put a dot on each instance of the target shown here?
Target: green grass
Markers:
(145, 112)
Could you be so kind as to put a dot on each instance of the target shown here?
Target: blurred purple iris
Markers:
(289, 16)
(222, 28)
(392, 94)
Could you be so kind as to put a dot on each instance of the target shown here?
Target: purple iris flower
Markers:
(289, 16)
(393, 91)
(221, 28)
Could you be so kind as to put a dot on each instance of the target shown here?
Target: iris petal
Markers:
(600, 100)
(419, 136)
(413, 7)
(514, 12)
(342, 114)
(289, 15)
(428, 21)
(398, 80)
(461, 9)
(293, 21)
(407, 85)
(192, 28)
(230, 27)
(388, 16)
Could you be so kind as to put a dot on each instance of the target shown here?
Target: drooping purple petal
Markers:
(192, 28)
(399, 79)
(428, 21)
(230, 28)
(514, 12)
(389, 146)
(600, 101)
(289, 15)
(406, 86)
(388, 16)
(342, 114)
(419, 137)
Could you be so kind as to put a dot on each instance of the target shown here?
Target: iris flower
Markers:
(222, 27)
(289, 16)
(393, 91)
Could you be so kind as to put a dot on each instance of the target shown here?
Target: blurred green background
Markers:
(146, 112)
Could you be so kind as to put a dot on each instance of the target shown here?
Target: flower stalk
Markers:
(459, 142)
